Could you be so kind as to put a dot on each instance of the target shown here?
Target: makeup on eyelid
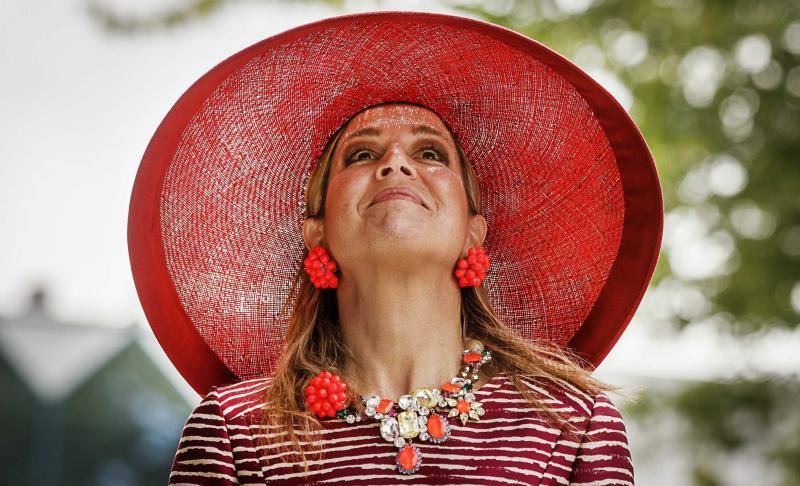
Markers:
(352, 151)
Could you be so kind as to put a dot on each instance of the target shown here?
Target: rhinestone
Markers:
(369, 412)
(422, 420)
(475, 346)
(424, 410)
(378, 415)
(427, 397)
(457, 381)
(423, 435)
(373, 401)
(389, 429)
(351, 419)
(399, 442)
(470, 397)
(407, 402)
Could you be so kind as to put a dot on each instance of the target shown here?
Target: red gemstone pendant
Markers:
(409, 459)
(450, 387)
(384, 406)
(472, 357)
(438, 428)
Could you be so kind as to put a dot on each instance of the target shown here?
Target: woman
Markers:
(397, 362)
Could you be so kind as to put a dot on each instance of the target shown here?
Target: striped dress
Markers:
(511, 444)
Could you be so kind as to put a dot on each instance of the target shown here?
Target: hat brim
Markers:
(570, 189)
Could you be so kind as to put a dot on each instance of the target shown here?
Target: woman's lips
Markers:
(397, 193)
(394, 196)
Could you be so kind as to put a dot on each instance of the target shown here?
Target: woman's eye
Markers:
(358, 155)
(432, 154)
(429, 153)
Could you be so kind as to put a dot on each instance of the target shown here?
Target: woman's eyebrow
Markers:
(416, 129)
(364, 132)
(427, 130)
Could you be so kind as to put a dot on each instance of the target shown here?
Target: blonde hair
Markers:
(313, 341)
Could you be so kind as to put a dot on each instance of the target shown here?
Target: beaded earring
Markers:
(320, 267)
(470, 271)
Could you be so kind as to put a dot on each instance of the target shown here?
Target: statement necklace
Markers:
(424, 413)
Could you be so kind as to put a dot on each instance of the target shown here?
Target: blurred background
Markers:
(711, 358)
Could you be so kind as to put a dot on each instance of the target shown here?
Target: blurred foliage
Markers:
(740, 418)
(130, 439)
(18, 414)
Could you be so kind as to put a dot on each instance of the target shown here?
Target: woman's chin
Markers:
(397, 221)
(400, 231)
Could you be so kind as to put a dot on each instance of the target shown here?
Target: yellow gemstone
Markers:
(408, 423)
(426, 397)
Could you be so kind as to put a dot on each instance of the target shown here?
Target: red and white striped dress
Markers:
(511, 444)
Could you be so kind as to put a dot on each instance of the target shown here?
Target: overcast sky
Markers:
(79, 106)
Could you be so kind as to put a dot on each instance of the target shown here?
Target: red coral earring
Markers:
(320, 267)
(470, 271)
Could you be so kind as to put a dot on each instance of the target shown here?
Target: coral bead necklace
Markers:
(424, 414)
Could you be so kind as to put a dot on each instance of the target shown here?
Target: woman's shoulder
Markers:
(571, 398)
(601, 453)
(235, 400)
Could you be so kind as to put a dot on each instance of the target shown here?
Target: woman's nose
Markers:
(396, 161)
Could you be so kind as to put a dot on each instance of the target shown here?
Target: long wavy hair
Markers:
(313, 342)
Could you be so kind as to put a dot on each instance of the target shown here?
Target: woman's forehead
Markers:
(392, 115)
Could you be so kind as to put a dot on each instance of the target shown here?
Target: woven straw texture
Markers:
(230, 187)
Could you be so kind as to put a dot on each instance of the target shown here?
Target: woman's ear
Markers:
(477, 231)
(313, 230)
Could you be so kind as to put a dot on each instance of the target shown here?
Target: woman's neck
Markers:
(404, 332)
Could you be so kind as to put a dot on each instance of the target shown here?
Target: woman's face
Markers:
(396, 146)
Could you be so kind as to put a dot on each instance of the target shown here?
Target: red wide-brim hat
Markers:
(569, 188)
